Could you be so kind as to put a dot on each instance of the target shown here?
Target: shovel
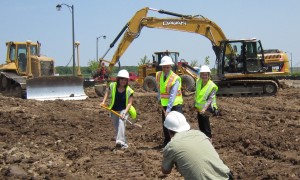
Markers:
(116, 113)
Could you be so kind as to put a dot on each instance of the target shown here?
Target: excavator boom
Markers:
(186, 23)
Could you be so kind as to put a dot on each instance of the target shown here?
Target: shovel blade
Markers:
(55, 87)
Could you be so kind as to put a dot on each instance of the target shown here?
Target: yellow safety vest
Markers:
(129, 92)
(202, 94)
(165, 87)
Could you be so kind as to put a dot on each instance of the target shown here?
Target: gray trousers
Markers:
(119, 126)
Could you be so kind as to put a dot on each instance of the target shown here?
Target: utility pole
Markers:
(291, 63)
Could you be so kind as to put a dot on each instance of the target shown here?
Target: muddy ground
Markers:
(256, 137)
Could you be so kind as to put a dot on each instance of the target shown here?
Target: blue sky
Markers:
(274, 22)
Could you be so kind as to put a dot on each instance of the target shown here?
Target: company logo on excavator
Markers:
(167, 23)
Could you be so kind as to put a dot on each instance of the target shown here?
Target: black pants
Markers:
(167, 138)
(204, 125)
(231, 177)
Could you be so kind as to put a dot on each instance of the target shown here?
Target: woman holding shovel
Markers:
(205, 100)
(121, 102)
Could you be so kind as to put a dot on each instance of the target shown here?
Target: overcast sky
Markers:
(274, 22)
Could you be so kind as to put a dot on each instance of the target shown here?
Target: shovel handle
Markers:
(116, 113)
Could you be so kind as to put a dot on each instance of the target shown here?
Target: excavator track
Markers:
(247, 87)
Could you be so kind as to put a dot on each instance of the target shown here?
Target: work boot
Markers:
(124, 146)
(118, 146)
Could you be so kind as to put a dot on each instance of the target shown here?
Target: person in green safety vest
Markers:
(121, 102)
(205, 100)
(169, 92)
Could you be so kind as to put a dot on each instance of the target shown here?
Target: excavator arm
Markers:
(185, 23)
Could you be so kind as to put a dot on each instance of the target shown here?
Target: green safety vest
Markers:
(202, 94)
(129, 92)
(165, 87)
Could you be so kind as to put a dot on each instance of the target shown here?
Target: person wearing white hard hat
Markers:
(205, 100)
(121, 102)
(169, 91)
(191, 152)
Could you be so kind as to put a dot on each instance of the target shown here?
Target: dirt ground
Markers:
(256, 137)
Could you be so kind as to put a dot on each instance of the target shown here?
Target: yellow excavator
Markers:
(241, 64)
(27, 74)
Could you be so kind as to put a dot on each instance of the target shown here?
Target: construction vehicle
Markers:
(241, 64)
(27, 74)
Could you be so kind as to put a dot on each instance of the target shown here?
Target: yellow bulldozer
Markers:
(27, 74)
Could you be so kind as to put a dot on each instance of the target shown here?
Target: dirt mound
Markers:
(257, 137)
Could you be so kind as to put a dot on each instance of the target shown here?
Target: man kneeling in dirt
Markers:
(191, 152)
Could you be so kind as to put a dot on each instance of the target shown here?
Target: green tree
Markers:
(64, 70)
(93, 65)
(144, 60)
(194, 63)
(206, 61)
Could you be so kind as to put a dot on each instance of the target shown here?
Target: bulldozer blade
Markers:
(55, 87)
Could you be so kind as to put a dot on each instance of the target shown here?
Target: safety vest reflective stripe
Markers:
(157, 79)
(170, 82)
(167, 96)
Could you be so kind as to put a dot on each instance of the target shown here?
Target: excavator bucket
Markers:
(55, 87)
(100, 89)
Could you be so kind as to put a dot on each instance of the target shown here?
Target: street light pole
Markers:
(104, 37)
(291, 63)
(58, 7)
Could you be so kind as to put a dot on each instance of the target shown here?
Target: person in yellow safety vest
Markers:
(169, 92)
(205, 100)
(121, 102)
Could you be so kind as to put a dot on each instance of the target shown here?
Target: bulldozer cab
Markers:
(240, 56)
(17, 53)
(22, 58)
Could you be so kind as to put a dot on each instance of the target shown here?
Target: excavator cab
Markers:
(240, 57)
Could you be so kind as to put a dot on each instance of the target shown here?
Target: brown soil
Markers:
(256, 137)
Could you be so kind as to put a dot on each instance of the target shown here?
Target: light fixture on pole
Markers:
(58, 7)
(104, 37)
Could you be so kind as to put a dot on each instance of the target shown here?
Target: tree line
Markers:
(93, 65)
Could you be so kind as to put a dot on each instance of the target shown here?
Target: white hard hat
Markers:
(176, 121)
(166, 60)
(123, 73)
(204, 68)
